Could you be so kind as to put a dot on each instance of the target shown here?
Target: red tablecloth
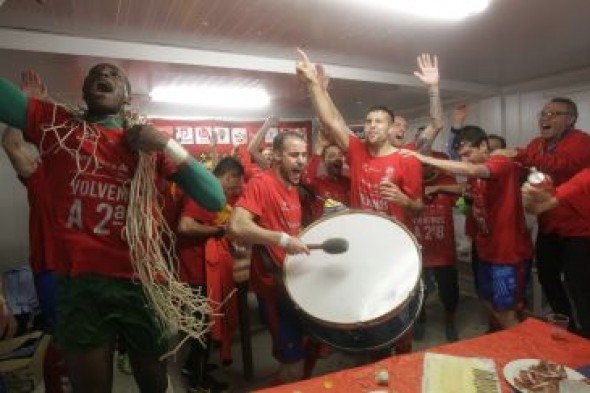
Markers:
(530, 339)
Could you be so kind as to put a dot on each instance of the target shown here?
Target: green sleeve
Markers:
(200, 185)
(13, 105)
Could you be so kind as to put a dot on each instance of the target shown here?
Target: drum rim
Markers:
(375, 321)
(419, 295)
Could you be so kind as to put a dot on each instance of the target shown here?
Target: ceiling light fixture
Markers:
(433, 9)
(224, 97)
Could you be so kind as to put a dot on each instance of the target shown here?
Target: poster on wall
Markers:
(202, 135)
(223, 137)
(184, 135)
(239, 135)
(195, 135)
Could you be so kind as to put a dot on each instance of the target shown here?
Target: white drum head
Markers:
(378, 273)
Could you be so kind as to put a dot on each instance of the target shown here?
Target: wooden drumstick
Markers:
(336, 245)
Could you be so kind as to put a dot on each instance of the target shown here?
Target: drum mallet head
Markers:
(336, 245)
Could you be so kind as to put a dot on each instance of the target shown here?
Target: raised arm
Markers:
(323, 105)
(20, 153)
(429, 75)
(256, 143)
(214, 152)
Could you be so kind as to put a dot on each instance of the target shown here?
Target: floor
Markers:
(471, 322)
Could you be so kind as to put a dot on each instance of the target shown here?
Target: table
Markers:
(530, 339)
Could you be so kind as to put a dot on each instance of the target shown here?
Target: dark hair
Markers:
(498, 138)
(227, 165)
(382, 108)
(325, 149)
(279, 142)
(571, 106)
(470, 135)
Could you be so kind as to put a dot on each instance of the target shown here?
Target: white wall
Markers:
(14, 216)
(515, 115)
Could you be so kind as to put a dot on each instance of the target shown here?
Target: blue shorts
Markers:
(504, 286)
(46, 286)
(285, 328)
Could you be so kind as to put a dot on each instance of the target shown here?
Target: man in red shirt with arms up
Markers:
(571, 202)
(269, 214)
(382, 180)
(90, 160)
(503, 242)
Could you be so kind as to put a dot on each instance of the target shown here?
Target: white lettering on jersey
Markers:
(100, 190)
(100, 228)
(75, 215)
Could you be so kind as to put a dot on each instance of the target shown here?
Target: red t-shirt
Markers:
(561, 161)
(435, 229)
(324, 186)
(502, 236)
(42, 253)
(90, 208)
(574, 207)
(275, 207)
(191, 250)
(366, 172)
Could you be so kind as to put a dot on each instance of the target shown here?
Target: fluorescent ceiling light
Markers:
(224, 97)
(432, 9)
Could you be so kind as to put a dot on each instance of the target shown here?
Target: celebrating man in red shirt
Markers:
(324, 178)
(90, 160)
(269, 215)
(435, 232)
(382, 180)
(503, 242)
(571, 203)
(561, 151)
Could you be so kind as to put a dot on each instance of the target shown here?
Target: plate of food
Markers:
(536, 375)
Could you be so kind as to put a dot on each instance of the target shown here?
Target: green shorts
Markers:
(93, 310)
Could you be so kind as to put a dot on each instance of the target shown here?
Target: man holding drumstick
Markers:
(269, 214)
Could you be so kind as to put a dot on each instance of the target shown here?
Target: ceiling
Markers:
(370, 54)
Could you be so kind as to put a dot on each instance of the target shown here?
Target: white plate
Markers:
(512, 369)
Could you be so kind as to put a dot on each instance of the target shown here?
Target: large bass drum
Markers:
(365, 298)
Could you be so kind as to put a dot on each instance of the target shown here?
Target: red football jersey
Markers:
(366, 172)
(502, 236)
(434, 228)
(191, 250)
(41, 245)
(324, 186)
(89, 205)
(561, 161)
(276, 207)
(574, 207)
